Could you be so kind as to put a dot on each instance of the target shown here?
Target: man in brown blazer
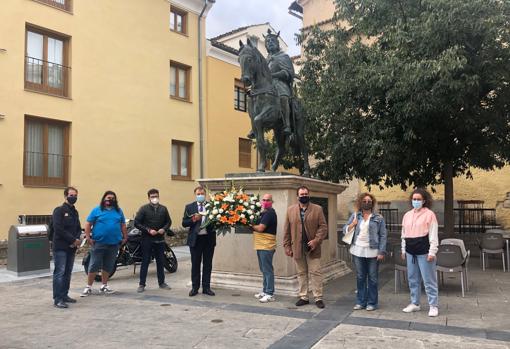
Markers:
(305, 228)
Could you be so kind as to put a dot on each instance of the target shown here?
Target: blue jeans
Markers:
(149, 248)
(421, 269)
(366, 276)
(265, 258)
(64, 262)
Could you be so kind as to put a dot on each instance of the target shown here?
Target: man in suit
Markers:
(305, 229)
(201, 242)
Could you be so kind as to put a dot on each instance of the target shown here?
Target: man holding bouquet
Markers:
(201, 242)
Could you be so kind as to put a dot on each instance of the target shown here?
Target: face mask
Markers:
(154, 201)
(304, 199)
(266, 204)
(72, 199)
(109, 202)
(366, 206)
(200, 198)
(417, 204)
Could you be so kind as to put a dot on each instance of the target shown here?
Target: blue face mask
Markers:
(417, 204)
(200, 198)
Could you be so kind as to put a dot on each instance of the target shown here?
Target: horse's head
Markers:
(251, 61)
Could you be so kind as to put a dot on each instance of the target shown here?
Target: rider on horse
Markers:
(282, 72)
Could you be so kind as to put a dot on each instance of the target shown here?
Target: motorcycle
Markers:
(131, 254)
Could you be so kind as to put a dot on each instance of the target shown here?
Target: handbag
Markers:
(348, 236)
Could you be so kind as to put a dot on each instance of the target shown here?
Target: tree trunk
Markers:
(448, 200)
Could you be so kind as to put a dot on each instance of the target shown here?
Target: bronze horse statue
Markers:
(265, 112)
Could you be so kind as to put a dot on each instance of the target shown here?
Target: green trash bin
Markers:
(28, 249)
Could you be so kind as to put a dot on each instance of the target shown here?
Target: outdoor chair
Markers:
(450, 260)
(400, 267)
(492, 243)
(466, 254)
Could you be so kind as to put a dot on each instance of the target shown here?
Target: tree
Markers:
(411, 93)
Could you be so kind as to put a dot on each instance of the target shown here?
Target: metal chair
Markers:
(450, 260)
(465, 254)
(492, 243)
(400, 266)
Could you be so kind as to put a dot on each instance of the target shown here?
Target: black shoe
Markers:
(164, 286)
(68, 299)
(301, 302)
(193, 292)
(61, 305)
(208, 292)
(320, 304)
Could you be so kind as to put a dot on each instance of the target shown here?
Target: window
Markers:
(244, 153)
(46, 62)
(61, 4)
(239, 96)
(179, 81)
(178, 20)
(181, 160)
(46, 160)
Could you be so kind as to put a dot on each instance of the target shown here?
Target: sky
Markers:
(226, 15)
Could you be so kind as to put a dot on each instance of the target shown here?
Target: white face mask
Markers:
(154, 201)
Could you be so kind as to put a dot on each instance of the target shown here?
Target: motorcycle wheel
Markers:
(170, 262)
(86, 262)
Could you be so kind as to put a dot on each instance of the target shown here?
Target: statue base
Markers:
(235, 264)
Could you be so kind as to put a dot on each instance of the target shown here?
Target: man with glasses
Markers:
(305, 228)
(264, 242)
(153, 220)
(66, 240)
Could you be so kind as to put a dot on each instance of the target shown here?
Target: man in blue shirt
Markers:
(107, 224)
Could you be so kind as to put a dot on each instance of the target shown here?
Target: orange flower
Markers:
(232, 213)
(240, 208)
(235, 217)
(244, 221)
(224, 206)
(223, 219)
(218, 197)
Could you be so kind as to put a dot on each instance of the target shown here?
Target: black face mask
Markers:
(109, 202)
(72, 199)
(366, 206)
(304, 199)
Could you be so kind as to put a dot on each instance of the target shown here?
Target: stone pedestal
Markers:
(235, 264)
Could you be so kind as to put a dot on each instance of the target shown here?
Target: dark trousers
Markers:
(64, 262)
(150, 247)
(202, 251)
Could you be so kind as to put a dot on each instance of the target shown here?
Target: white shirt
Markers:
(201, 208)
(361, 248)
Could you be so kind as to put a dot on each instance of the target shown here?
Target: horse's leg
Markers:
(303, 149)
(279, 137)
(261, 143)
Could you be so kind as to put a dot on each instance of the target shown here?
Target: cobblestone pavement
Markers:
(170, 319)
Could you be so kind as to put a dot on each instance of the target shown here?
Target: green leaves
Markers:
(432, 88)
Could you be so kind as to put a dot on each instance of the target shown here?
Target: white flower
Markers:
(221, 210)
(215, 212)
(257, 214)
(207, 205)
(241, 201)
(258, 204)
(252, 207)
(252, 217)
(216, 202)
(252, 198)
(246, 204)
(218, 216)
(249, 212)
(211, 216)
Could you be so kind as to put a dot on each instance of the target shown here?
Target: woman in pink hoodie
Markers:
(419, 248)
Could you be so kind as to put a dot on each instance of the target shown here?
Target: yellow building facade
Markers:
(490, 187)
(101, 95)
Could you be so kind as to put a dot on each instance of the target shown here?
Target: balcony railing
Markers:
(46, 76)
(46, 169)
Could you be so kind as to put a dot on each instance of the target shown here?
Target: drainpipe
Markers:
(200, 92)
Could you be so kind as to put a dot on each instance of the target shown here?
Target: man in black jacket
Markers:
(201, 242)
(66, 240)
(153, 220)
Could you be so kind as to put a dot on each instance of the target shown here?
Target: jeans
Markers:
(421, 269)
(366, 277)
(265, 258)
(148, 248)
(64, 261)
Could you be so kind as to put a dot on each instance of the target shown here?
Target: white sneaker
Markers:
(87, 291)
(267, 298)
(433, 311)
(259, 295)
(105, 289)
(411, 308)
